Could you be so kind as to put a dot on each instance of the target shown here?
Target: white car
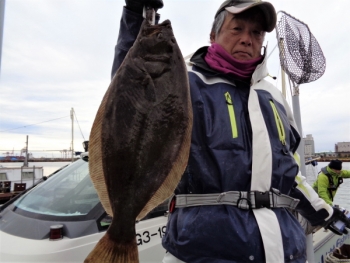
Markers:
(61, 220)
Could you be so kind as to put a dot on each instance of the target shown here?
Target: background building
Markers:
(309, 146)
(342, 149)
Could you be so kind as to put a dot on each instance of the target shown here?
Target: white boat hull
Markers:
(326, 241)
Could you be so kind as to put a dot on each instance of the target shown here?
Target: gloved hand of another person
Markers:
(137, 5)
(339, 221)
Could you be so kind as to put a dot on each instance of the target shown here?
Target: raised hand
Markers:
(137, 5)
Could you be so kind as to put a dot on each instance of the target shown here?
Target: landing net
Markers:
(301, 56)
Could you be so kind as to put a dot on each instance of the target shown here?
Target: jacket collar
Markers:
(260, 71)
(198, 60)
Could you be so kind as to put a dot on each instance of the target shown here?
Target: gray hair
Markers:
(217, 24)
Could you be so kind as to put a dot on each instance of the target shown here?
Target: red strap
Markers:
(172, 204)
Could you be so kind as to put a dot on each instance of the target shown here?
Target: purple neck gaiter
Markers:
(219, 59)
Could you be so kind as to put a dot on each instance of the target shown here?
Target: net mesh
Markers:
(301, 56)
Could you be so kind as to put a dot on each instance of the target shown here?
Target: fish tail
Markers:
(110, 251)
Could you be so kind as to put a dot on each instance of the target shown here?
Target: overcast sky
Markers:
(57, 55)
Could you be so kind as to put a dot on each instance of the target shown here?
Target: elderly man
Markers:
(232, 202)
(329, 179)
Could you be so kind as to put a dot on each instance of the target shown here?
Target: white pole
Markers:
(283, 79)
(297, 116)
(72, 118)
(310, 254)
(283, 74)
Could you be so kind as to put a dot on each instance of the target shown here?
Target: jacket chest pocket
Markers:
(279, 124)
(231, 113)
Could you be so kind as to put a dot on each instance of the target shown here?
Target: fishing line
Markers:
(79, 125)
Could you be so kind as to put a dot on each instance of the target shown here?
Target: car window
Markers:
(69, 192)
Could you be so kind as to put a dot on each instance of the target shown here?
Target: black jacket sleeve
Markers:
(130, 25)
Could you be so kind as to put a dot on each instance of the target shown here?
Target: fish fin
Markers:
(110, 251)
(95, 160)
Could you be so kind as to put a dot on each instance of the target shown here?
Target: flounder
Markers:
(140, 138)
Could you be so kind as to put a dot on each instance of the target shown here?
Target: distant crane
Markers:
(9, 153)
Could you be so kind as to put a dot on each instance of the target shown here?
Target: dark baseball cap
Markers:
(238, 6)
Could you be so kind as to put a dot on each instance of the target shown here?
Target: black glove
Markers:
(137, 5)
(339, 221)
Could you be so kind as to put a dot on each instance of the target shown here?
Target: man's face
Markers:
(242, 39)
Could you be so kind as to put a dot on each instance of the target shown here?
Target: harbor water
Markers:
(342, 197)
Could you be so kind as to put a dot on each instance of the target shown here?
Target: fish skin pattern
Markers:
(140, 139)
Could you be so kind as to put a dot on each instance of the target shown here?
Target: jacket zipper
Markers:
(231, 113)
(279, 124)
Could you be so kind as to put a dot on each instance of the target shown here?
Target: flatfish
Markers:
(140, 138)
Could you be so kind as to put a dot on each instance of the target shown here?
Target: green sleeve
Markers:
(322, 185)
(345, 173)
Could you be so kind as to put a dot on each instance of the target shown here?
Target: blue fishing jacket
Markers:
(244, 138)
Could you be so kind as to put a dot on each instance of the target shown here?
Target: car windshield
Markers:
(69, 192)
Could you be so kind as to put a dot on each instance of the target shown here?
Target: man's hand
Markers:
(339, 221)
(137, 5)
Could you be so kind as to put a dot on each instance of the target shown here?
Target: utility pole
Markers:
(26, 154)
(72, 118)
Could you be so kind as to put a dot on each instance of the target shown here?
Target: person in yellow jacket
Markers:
(329, 179)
